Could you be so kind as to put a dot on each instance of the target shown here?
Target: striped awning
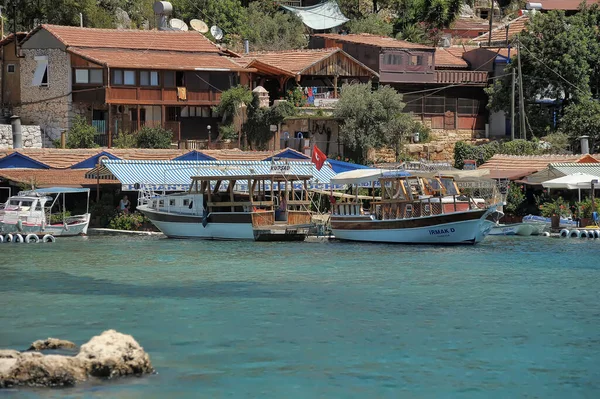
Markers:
(176, 175)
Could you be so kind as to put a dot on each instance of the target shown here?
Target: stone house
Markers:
(121, 80)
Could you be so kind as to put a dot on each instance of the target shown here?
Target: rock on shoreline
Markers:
(108, 355)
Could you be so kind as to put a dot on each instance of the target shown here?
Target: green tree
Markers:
(560, 60)
(515, 200)
(229, 15)
(582, 119)
(154, 137)
(372, 23)
(372, 119)
(258, 126)
(271, 29)
(229, 107)
(81, 134)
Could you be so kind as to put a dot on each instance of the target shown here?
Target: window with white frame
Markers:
(11, 68)
(40, 76)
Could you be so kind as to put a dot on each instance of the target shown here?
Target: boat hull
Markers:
(219, 226)
(456, 228)
(57, 230)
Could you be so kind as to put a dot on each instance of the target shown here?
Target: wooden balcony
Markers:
(158, 96)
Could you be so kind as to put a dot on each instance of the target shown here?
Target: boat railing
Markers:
(348, 209)
(391, 209)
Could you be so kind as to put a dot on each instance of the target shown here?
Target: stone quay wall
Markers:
(31, 135)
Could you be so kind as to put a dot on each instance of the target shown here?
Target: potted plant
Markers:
(585, 212)
(554, 210)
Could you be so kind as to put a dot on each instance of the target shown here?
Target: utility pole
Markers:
(522, 133)
(491, 22)
(512, 106)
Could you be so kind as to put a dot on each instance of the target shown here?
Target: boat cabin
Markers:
(402, 196)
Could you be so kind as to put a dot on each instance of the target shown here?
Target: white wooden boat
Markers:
(518, 229)
(31, 212)
(411, 210)
(271, 210)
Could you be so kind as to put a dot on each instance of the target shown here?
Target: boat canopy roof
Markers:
(361, 176)
(56, 190)
(270, 177)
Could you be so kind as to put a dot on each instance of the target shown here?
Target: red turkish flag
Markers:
(318, 157)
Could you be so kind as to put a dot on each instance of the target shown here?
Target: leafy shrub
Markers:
(296, 97)
(374, 24)
(585, 209)
(81, 134)
(228, 132)
(557, 207)
(104, 210)
(515, 199)
(56, 218)
(128, 221)
(125, 140)
(153, 137)
(482, 153)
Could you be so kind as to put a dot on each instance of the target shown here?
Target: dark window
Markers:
(434, 105)
(144, 78)
(414, 103)
(129, 78)
(180, 79)
(416, 60)
(468, 106)
(45, 78)
(10, 68)
(117, 78)
(96, 76)
(169, 78)
(392, 59)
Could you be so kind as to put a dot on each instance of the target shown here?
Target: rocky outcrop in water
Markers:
(108, 355)
(51, 343)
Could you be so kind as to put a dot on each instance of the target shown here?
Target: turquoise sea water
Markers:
(511, 317)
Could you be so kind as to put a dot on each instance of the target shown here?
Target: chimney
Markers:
(246, 46)
(15, 122)
(585, 146)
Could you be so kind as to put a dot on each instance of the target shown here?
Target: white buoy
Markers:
(584, 234)
(19, 238)
(9, 237)
(546, 234)
(1, 238)
(564, 233)
(596, 234)
(48, 238)
(32, 238)
(575, 234)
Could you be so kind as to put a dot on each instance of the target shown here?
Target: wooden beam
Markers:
(231, 185)
(110, 132)
(139, 124)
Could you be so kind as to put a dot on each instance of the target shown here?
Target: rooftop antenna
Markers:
(199, 25)
(177, 24)
(162, 10)
(216, 32)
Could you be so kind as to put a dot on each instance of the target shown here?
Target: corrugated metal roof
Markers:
(570, 168)
(176, 175)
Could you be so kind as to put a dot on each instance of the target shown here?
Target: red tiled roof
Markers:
(51, 177)
(537, 162)
(295, 62)
(470, 23)
(450, 58)
(566, 5)
(121, 58)
(10, 38)
(515, 27)
(373, 40)
(72, 36)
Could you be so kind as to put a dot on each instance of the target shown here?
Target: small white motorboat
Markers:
(31, 212)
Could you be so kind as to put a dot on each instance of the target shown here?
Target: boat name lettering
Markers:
(442, 231)
(280, 168)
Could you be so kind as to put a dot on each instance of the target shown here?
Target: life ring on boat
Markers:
(9, 237)
(19, 238)
(32, 238)
(48, 238)
(575, 234)
(20, 225)
(564, 233)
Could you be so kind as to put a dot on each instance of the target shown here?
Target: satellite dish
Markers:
(177, 24)
(216, 32)
(199, 25)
